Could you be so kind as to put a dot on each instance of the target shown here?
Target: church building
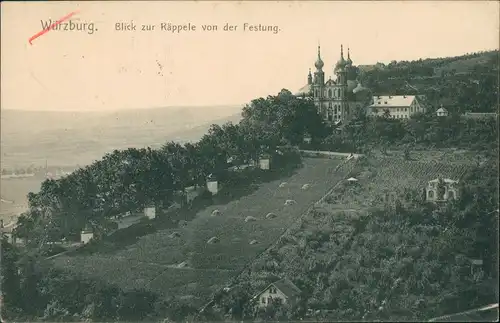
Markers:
(337, 99)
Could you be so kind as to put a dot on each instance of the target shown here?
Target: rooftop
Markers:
(446, 180)
(388, 101)
(305, 90)
(285, 286)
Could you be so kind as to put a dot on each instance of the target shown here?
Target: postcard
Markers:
(206, 161)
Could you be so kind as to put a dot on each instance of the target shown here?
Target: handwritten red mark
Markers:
(44, 31)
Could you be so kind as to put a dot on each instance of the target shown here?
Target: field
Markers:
(187, 265)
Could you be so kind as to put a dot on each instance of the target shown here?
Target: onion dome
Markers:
(319, 62)
(341, 64)
(349, 61)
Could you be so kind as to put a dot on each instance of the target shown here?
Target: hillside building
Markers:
(340, 98)
(395, 106)
(442, 112)
(282, 290)
(449, 191)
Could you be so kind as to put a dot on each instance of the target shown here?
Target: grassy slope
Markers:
(148, 262)
(326, 245)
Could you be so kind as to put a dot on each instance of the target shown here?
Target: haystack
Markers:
(270, 215)
(213, 240)
(250, 218)
(254, 242)
(174, 235)
(290, 202)
(183, 264)
(216, 213)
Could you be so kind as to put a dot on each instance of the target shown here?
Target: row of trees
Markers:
(128, 180)
(422, 130)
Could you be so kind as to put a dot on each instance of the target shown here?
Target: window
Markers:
(273, 290)
(451, 194)
(330, 93)
(406, 109)
(430, 194)
(411, 109)
(263, 300)
(316, 93)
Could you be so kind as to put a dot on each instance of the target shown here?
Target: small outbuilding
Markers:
(442, 112)
(283, 290)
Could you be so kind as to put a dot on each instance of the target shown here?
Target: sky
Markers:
(114, 70)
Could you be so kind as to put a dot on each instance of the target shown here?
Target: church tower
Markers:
(309, 78)
(319, 75)
(318, 83)
(341, 68)
(341, 72)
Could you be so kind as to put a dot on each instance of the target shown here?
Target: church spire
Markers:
(349, 61)
(309, 77)
(319, 62)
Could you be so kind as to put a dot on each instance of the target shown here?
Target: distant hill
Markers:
(463, 83)
(78, 138)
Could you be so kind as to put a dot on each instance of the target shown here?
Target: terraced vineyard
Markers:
(185, 265)
(383, 177)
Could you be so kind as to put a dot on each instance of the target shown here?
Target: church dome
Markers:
(341, 64)
(349, 60)
(319, 63)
